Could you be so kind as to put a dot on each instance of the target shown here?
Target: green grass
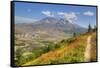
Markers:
(66, 51)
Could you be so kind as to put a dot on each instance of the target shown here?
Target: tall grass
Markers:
(66, 51)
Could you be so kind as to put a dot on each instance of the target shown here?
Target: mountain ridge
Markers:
(51, 23)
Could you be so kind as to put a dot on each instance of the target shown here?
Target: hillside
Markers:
(71, 50)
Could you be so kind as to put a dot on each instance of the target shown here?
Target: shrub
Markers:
(70, 40)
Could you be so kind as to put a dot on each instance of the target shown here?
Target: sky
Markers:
(30, 12)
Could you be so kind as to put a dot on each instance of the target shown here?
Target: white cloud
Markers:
(61, 13)
(88, 13)
(72, 16)
(48, 13)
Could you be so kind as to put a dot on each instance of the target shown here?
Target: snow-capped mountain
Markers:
(51, 23)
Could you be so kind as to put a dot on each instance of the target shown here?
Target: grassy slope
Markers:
(73, 52)
(94, 47)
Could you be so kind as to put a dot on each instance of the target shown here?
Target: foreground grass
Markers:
(94, 47)
(71, 51)
(66, 51)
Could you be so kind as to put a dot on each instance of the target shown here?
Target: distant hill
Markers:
(49, 23)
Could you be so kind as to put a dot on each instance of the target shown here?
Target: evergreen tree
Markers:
(74, 34)
(89, 28)
(95, 28)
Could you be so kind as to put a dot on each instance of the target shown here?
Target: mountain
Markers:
(50, 23)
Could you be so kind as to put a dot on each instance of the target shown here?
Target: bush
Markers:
(70, 40)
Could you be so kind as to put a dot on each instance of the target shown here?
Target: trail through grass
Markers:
(87, 53)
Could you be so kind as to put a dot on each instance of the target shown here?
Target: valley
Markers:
(49, 35)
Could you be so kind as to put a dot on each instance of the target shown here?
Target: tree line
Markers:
(90, 29)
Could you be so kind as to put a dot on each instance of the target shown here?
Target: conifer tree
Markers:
(89, 28)
(74, 34)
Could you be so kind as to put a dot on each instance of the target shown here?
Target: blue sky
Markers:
(29, 12)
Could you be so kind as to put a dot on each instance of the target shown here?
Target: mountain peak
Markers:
(56, 24)
(49, 20)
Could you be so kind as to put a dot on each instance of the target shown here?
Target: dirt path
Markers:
(87, 53)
